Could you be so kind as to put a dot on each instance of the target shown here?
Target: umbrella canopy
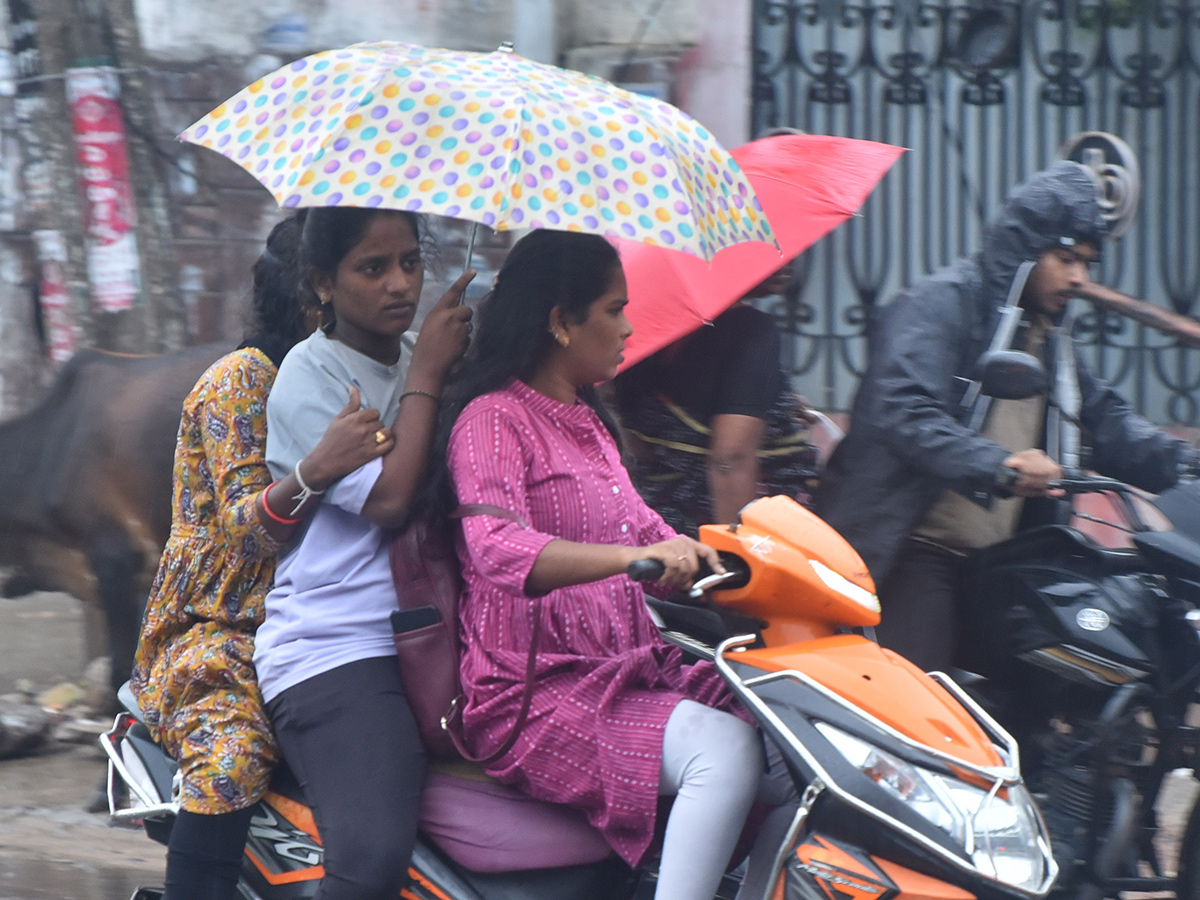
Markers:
(808, 185)
(493, 138)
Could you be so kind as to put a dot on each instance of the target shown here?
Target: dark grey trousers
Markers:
(350, 739)
(919, 602)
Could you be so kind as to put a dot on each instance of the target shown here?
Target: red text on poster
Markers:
(109, 212)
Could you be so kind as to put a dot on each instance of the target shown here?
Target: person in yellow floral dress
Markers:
(193, 673)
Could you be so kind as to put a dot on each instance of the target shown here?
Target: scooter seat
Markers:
(486, 826)
(481, 824)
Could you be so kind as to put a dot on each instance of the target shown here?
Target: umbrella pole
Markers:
(471, 244)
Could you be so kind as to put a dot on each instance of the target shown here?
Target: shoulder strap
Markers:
(466, 510)
(484, 509)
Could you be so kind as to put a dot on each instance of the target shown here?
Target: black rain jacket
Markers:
(907, 440)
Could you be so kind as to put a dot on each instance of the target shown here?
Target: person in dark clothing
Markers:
(711, 421)
(911, 486)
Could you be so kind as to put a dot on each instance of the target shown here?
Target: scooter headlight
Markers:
(1001, 834)
(1006, 832)
(901, 779)
(845, 586)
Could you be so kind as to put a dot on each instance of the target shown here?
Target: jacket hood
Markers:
(1057, 206)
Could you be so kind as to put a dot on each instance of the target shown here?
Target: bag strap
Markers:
(485, 509)
(466, 510)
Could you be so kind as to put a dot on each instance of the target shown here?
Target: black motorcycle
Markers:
(1090, 657)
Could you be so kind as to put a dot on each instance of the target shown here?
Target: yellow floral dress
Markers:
(193, 673)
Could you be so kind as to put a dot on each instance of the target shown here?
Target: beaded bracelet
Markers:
(434, 397)
(267, 506)
(305, 491)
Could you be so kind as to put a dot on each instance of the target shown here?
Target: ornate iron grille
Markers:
(884, 70)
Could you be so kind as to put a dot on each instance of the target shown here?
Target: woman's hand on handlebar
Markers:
(680, 558)
(1035, 472)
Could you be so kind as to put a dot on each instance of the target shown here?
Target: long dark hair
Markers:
(277, 313)
(512, 333)
(329, 233)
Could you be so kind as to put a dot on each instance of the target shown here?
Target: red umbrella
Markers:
(808, 185)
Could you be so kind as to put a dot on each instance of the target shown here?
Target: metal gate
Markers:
(896, 72)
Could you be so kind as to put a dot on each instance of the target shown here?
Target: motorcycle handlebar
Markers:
(1074, 481)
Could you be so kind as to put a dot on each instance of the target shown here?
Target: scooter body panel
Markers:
(887, 687)
(801, 571)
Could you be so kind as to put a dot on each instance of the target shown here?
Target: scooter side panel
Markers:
(916, 886)
(824, 868)
(283, 852)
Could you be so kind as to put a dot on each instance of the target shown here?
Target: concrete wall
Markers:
(23, 367)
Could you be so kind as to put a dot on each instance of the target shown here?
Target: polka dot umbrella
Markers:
(493, 138)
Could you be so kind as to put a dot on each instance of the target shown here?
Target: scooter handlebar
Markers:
(645, 570)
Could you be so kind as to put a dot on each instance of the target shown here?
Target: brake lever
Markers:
(708, 582)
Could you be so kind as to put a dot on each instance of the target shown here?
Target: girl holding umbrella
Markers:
(324, 655)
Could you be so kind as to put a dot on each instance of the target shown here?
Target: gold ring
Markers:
(380, 436)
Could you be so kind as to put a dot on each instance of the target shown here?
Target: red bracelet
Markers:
(265, 505)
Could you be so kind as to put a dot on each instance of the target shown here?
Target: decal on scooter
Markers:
(422, 889)
(1091, 619)
(762, 545)
(284, 851)
(285, 848)
(824, 869)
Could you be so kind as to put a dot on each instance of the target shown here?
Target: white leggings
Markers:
(713, 764)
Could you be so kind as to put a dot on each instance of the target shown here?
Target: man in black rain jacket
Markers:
(910, 486)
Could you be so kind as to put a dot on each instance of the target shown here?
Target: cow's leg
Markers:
(95, 632)
(117, 562)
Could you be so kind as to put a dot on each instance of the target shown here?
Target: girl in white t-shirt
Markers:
(324, 656)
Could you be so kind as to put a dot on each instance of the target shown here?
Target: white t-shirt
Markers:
(333, 592)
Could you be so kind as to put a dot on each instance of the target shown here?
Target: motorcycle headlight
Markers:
(1002, 835)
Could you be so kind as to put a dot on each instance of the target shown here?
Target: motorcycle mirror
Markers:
(1114, 167)
(1011, 375)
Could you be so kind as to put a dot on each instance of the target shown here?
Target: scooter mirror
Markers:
(1011, 375)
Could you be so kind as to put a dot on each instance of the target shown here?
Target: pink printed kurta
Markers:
(606, 682)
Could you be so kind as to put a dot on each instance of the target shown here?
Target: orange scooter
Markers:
(909, 790)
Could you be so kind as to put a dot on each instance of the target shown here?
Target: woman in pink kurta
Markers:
(614, 709)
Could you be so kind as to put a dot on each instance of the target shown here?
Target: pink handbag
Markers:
(425, 630)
